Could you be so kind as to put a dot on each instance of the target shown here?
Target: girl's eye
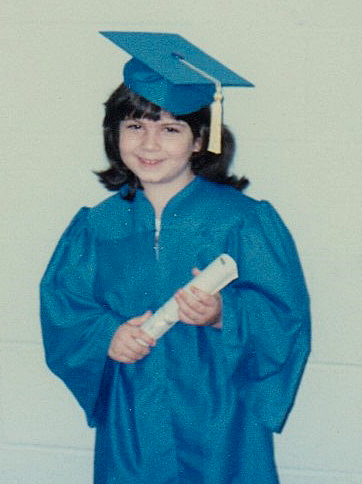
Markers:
(172, 129)
(134, 126)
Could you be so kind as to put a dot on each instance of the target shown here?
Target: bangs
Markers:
(126, 104)
(137, 107)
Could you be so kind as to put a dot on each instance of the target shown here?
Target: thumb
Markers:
(139, 320)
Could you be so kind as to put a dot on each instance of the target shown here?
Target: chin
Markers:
(152, 178)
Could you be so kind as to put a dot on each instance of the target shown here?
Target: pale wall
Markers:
(299, 142)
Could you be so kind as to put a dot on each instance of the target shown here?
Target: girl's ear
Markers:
(197, 144)
(200, 140)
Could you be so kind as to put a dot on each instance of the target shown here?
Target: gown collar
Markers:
(174, 208)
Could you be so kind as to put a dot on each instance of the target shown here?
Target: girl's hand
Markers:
(126, 346)
(199, 308)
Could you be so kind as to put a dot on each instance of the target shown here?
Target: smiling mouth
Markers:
(147, 162)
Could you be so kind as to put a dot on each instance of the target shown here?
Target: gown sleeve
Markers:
(266, 316)
(77, 329)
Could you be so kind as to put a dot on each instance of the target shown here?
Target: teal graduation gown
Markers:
(202, 406)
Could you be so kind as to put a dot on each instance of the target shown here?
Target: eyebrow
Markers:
(178, 122)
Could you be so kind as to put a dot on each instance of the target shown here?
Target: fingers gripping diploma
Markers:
(130, 343)
(199, 308)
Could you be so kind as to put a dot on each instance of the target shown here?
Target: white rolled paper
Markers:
(212, 279)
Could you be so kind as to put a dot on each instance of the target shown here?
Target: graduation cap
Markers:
(176, 75)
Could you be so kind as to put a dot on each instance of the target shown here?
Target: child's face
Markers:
(158, 151)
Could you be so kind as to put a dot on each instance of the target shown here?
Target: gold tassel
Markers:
(214, 144)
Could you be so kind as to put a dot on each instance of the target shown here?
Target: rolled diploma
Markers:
(212, 279)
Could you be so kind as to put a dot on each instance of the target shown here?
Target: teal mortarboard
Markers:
(176, 75)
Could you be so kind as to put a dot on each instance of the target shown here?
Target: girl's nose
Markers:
(151, 140)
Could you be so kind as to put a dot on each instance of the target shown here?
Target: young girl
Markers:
(200, 404)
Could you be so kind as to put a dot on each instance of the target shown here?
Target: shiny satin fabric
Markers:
(202, 406)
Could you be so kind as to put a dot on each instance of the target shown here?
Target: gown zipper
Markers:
(157, 236)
